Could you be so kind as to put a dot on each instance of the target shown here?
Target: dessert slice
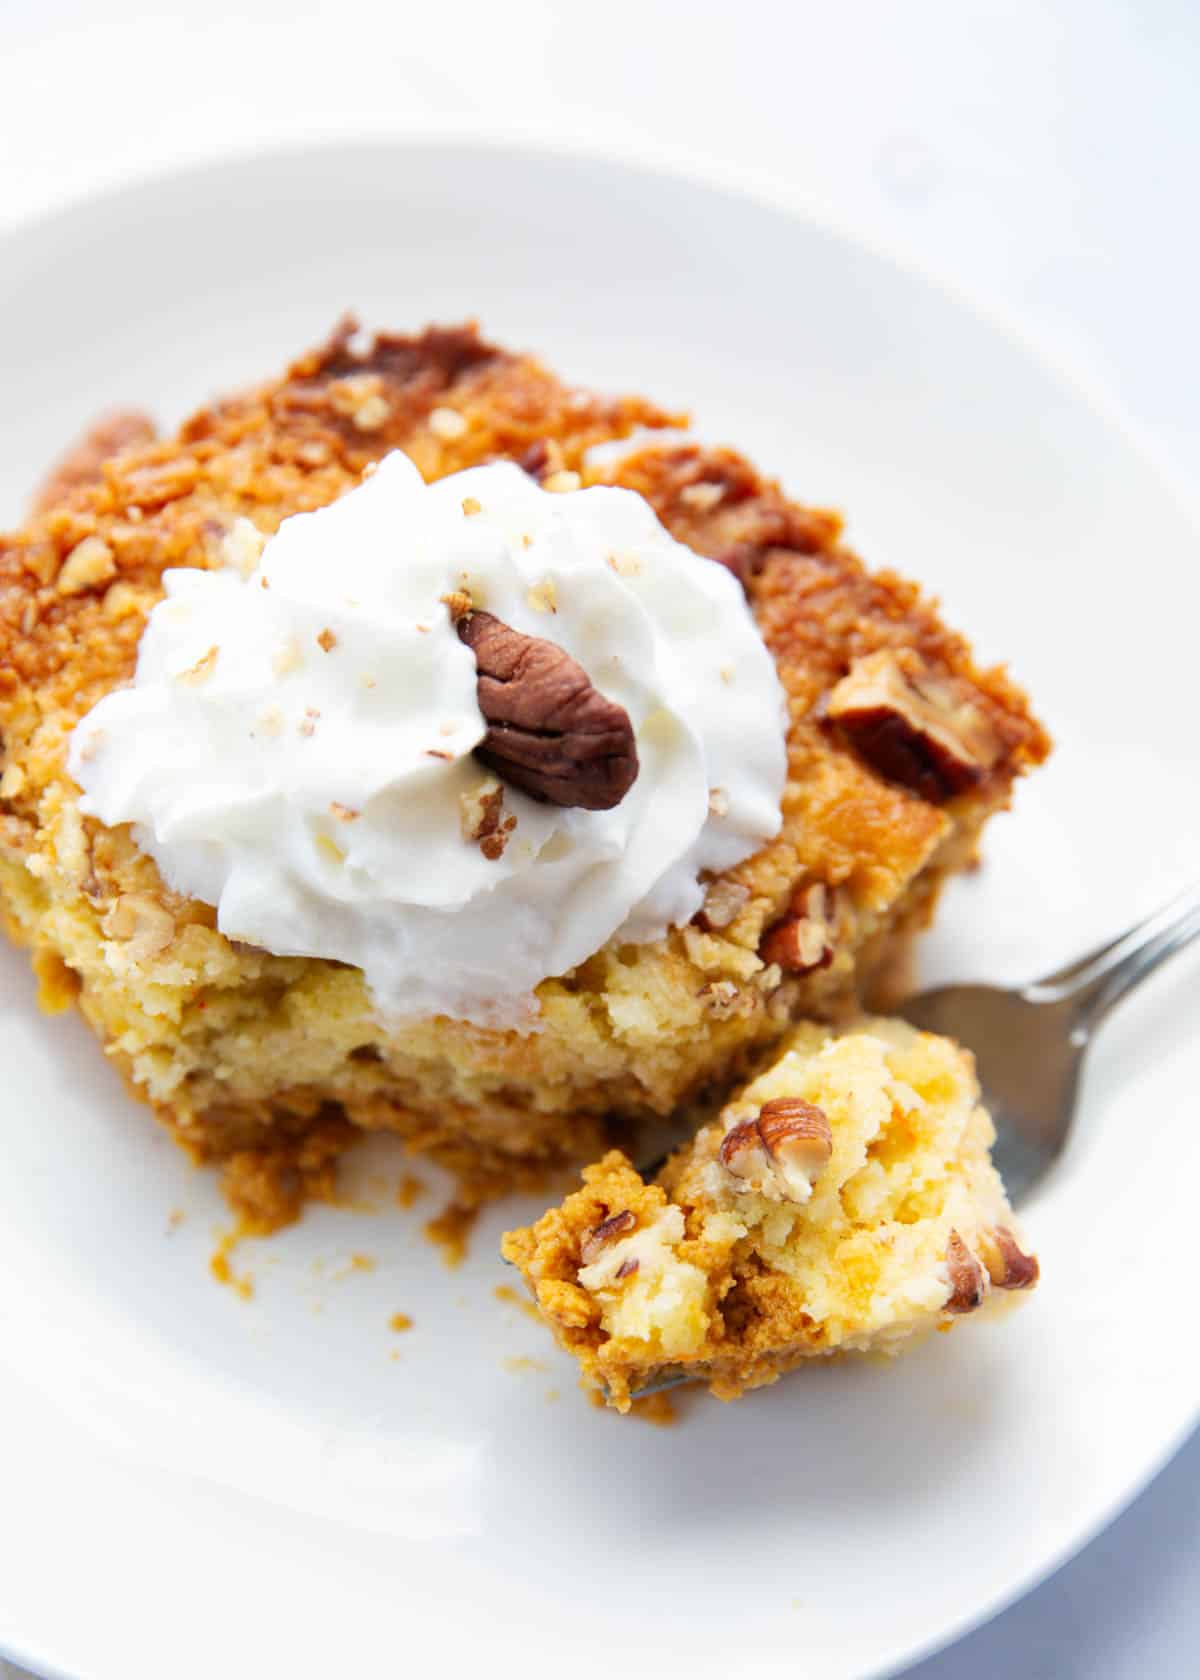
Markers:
(271, 1053)
(845, 1201)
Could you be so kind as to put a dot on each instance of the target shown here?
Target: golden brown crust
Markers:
(820, 610)
(818, 607)
(287, 447)
(83, 464)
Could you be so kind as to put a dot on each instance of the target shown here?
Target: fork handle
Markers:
(1095, 984)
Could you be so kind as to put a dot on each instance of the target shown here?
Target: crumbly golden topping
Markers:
(245, 1054)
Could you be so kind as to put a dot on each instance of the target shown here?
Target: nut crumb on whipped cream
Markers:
(429, 922)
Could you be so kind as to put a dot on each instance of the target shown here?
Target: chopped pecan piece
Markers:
(541, 459)
(483, 819)
(90, 564)
(725, 1000)
(550, 732)
(924, 731)
(968, 1280)
(1008, 1266)
(141, 924)
(781, 1150)
(603, 1236)
(723, 903)
(804, 940)
(446, 424)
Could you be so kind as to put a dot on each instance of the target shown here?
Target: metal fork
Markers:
(1029, 1043)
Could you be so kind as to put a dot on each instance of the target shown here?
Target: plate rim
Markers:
(522, 144)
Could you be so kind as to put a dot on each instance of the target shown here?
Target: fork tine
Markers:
(660, 1385)
(1079, 969)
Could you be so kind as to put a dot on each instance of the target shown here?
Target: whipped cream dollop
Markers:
(296, 748)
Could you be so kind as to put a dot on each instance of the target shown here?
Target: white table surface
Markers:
(1039, 155)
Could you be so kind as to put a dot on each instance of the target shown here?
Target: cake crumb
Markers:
(625, 565)
(657, 1409)
(201, 670)
(353, 1263)
(543, 597)
(175, 1219)
(408, 1189)
(243, 1284)
(518, 1362)
(458, 602)
(451, 1231)
(400, 1321)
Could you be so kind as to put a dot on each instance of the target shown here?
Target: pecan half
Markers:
(804, 940)
(924, 731)
(796, 1133)
(84, 461)
(603, 1236)
(968, 1280)
(1007, 1264)
(725, 1000)
(550, 732)
(781, 1150)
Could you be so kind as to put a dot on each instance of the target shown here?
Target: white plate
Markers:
(192, 1484)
